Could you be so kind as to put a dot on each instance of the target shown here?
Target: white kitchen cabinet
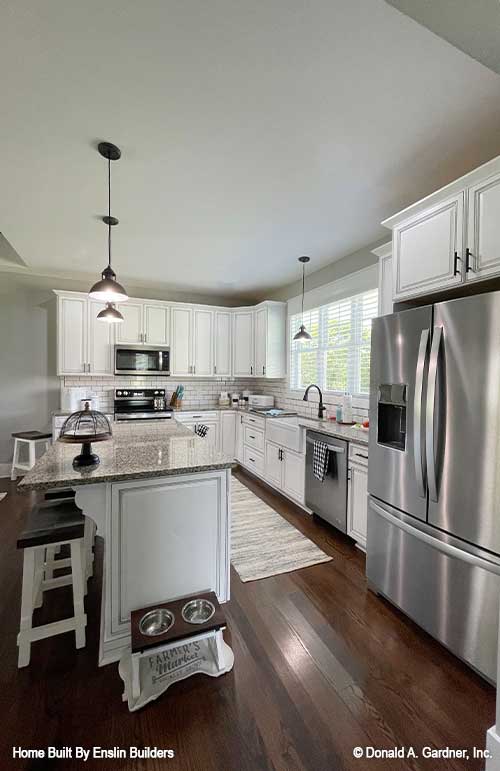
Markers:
(285, 469)
(72, 327)
(85, 344)
(202, 344)
(222, 343)
(273, 468)
(357, 506)
(100, 342)
(181, 348)
(192, 342)
(156, 324)
(239, 444)
(293, 480)
(357, 493)
(243, 343)
(228, 433)
(143, 323)
(428, 250)
(130, 330)
(270, 344)
(483, 229)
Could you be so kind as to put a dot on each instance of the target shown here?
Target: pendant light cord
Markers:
(109, 211)
(303, 288)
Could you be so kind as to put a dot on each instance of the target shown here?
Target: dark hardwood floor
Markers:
(322, 665)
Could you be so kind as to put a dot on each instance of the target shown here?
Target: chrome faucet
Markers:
(321, 407)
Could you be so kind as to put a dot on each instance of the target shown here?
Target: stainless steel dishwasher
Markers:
(328, 499)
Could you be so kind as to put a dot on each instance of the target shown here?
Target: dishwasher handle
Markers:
(339, 450)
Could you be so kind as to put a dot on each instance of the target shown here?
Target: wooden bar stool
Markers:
(61, 494)
(32, 439)
(51, 524)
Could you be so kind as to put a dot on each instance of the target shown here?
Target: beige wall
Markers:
(363, 258)
(29, 387)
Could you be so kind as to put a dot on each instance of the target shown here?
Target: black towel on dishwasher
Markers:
(320, 460)
(200, 429)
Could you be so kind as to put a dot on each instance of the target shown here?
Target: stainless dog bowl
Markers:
(198, 611)
(156, 622)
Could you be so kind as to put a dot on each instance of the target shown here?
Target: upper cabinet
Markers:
(143, 323)
(222, 343)
(84, 344)
(243, 343)
(270, 348)
(449, 238)
(192, 341)
(483, 229)
(204, 341)
(428, 250)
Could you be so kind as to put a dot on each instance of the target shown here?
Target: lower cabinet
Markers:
(357, 497)
(285, 469)
(240, 432)
(228, 433)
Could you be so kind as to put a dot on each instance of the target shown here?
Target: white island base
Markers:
(164, 537)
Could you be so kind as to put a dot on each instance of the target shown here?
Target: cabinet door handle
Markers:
(144, 337)
(251, 369)
(280, 454)
(468, 266)
(215, 369)
(252, 459)
(263, 370)
(251, 436)
(456, 271)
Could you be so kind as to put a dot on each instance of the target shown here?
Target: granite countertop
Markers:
(330, 427)
(136, 451)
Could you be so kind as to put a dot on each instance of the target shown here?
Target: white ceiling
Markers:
(251, 132)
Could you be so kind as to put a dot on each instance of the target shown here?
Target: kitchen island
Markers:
(160, 499)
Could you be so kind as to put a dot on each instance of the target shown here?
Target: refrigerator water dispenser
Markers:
(391, 416)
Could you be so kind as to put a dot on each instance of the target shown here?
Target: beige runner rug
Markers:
(264, 544)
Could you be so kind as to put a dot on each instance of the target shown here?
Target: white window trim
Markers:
(363, 280)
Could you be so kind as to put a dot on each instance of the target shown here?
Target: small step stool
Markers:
(50, 525)
(33, 439)
(159, 659)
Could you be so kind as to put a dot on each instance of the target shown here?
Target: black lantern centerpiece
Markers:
(85, 427)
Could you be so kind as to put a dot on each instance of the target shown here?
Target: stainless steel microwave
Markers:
(142, 360)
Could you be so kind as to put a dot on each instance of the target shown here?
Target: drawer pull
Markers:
(251, 436)
(360, 455)
(252, 459)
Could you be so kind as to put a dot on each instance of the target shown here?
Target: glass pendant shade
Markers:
(108, 290)
(111, 314)
(302, 334)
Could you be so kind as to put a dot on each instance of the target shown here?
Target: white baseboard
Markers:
(5, 470)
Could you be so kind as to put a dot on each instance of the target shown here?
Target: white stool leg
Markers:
(136, 681)
(88, 539)
(38, 577)
(50, 554)
(32, 453)
(15, 460)
(23, 638)
(77, 571)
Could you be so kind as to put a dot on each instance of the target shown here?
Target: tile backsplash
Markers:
(205, 393)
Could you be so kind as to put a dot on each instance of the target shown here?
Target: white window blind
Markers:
(338, 356)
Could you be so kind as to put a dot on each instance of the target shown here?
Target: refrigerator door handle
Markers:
(430, 413)
(417, 413)
(442, 546)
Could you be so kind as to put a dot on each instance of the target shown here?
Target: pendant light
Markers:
(108, 290)
(302, 334)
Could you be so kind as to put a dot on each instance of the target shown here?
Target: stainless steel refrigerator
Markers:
(434, 471)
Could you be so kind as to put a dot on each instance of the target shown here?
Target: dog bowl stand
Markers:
(154, 663)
